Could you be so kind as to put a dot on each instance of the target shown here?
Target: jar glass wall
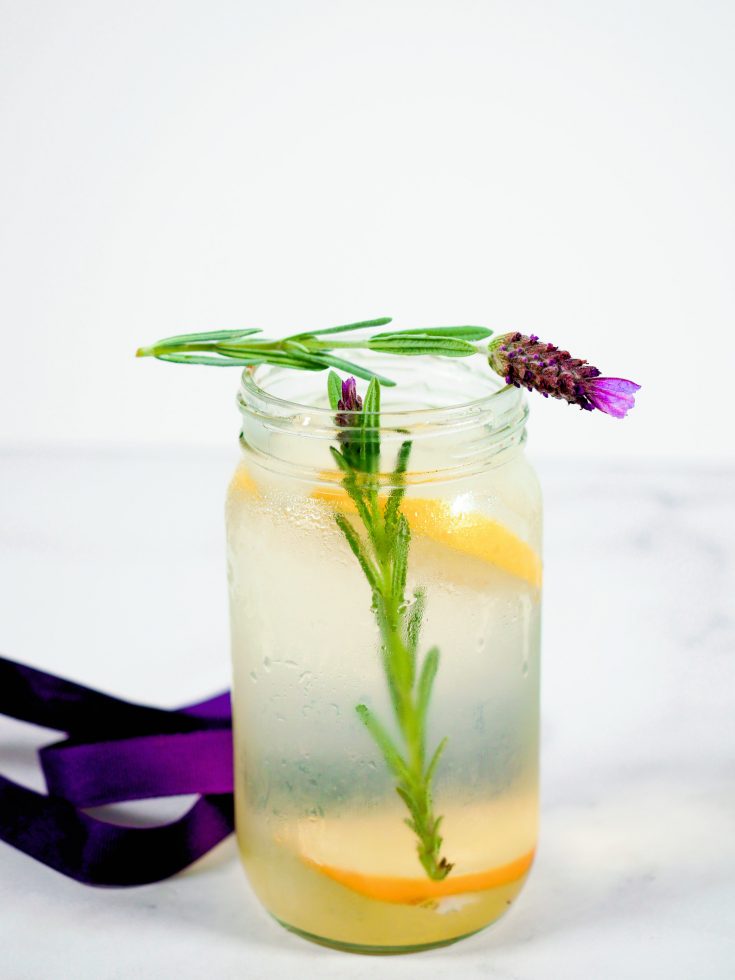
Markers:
(323, 832)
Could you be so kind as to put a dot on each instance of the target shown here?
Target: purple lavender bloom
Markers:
(526, 362)
(349, 402)
(612, 395)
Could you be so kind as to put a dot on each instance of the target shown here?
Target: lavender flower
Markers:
(357, 444)
(525, 362)
(350, 400)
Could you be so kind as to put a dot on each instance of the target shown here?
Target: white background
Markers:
(564, 168)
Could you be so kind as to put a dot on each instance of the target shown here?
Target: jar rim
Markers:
(461, 437)
(499, 403)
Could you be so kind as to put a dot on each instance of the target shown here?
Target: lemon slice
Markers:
(242, 482)
(466, 532)
(417, 891)
(490, 844)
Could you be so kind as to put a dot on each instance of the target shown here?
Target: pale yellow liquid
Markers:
(320, 828)
(305, 898)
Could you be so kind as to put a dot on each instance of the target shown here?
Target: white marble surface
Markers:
(111, 572)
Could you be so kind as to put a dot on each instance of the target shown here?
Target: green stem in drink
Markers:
(382, 552)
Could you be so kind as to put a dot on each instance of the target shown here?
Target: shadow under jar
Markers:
(343, 842)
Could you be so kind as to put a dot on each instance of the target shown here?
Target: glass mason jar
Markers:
(348, 839)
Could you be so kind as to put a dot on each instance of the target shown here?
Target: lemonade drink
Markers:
(321, 829)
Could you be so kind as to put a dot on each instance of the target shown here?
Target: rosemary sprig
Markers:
(382, 553)
(309, 351)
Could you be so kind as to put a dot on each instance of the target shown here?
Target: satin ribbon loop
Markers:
(146, 767)
(118, 751)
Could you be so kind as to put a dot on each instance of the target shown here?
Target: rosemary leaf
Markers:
(340, 460)
(413, 808)
(396, 495)
(431, 768)
(426, 682)
(195, 358)
(370, 429)
(284, 358)
(413, 346)
(354, 542)
(464, 333)
(414, 619)
(331, 360)
(384, 742)
(356, 495)
(203, 338)
(334, 390)
(400, 546)
(361, 325)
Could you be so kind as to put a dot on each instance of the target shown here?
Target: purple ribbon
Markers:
(115, 751)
